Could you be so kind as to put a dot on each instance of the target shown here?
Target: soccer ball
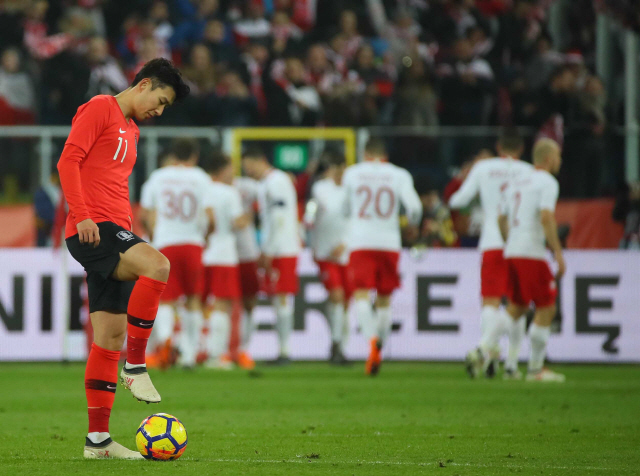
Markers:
(161, 437)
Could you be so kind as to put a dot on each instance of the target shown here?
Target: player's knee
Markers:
(161, 267)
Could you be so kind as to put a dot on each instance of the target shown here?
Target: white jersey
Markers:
(524, 199)
(221, 247)
(178, 195)
(278, 203)
(487, 179)
(247, 242)
(374, 192)
(329, 226)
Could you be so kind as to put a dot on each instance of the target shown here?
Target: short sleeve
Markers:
(147, 199)
(549, 195)
(89, 122)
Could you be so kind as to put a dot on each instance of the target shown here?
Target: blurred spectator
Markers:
(627, 212)
(416, 101)
(38, 44)
(378, 86)
(519, 28)
(159, 16)
(45, 202)
(200, 70)
(17, 94)
(234, 106)
(292, 102)
(436, 228)
(467, 84)
(254, 25)
(192, 28)
(542, 64)
(350, 39)
(11, 22)
(106, 75)
(224, 53)
(256, 64)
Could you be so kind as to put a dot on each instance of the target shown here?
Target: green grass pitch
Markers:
(312, 419)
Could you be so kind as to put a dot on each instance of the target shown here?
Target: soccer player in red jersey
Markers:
(125, 275)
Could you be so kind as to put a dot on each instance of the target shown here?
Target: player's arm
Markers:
(87, 126)
(240, 219)
(548, 219)
(211, 220)
(412, 206)
(467, 192)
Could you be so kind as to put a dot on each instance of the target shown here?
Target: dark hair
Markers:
(184, 149)
(332, 158)
(163, 73)
(217, 161)
(375, 146)
(510, 139)
(253, 152)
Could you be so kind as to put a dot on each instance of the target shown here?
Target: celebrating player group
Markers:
(206, 257)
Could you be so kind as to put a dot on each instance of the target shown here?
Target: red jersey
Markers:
(105, 146)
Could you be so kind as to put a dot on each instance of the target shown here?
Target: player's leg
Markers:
(150, 270)
(362, 274)
(336, 314)
(247, 326)
(161, 339)
(192, 322)
(539, 333)
(100, 383)
(285, 288)
(249, 287)
(515, 332)
(219, 333)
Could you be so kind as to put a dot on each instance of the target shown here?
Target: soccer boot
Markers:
(245, 361)
(545, 375)
(492, 362)
(281, 361)
(138, 382)
(372, 365)
(511, 374)
(218, 363)
(108, 449)
(474, 362)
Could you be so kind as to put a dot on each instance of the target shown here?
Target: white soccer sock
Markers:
(336, 320)
(515, 331)
(219, 332)
(345, 330)
(384, 323)
(284, 323)
(493, 327)
(97, 437)
(246, 330)
(162, 326)
(190, 336)
(539, 336)
(366, 320)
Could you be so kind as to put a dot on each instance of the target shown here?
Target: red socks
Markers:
(100, 379)
(141, 312)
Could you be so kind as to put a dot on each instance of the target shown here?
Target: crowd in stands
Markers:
(321, 62)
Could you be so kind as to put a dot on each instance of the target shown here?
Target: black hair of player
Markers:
(217, 161)
(332, 158)
(376, 146)
(185, 149)
(253, 152)
(163, 73)
(510, 140)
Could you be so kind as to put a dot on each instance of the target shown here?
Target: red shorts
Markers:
(494, 274)
(249, 279)
(335, 276)
(374, 269)
(531, 280)
(283, 278)
(187, 272)
(222, 282)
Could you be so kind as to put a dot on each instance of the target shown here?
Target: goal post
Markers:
(284, 134)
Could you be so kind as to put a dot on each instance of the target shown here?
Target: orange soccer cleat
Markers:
(372, 366)
(245, 361)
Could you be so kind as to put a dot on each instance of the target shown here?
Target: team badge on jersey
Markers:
(125, 235)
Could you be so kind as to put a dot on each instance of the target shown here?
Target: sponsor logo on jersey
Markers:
(125, 235)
